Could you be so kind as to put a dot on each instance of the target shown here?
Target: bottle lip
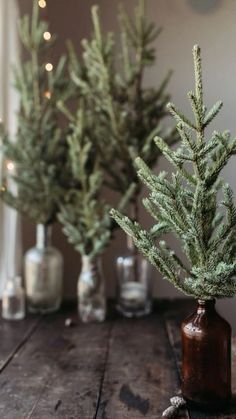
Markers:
(202, 302)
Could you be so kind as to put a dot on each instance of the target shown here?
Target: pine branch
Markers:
(128, 115)
(187, 205)
(39, 152)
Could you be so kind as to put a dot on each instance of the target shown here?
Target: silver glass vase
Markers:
(91, 291)
(43, 274)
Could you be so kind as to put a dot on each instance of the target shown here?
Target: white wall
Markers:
(214, 29)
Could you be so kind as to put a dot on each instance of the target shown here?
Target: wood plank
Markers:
(15, 334)
(173, 322)
(57, 374)
(175, 313)
(140, 375)
(122, 369)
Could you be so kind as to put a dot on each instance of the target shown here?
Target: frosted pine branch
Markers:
(188, 206)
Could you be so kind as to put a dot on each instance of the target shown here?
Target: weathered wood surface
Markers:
(140, 375)
(121, 369)
(57, 373)
(13, 336)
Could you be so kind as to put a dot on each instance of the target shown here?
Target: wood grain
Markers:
(57, 374)
(121, 369)
(14, 335)
(140, 375)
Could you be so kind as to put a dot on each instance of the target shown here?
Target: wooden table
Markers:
(121, 369)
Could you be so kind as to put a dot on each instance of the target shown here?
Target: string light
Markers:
(49, 67)
(47, 94)
(42, 3)
(10, 166)
(47, 36)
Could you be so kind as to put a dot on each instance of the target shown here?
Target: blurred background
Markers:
(211, 24)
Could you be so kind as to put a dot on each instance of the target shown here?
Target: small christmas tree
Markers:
(84, 216)
(187, 205)
(39, 152)
(127, 114)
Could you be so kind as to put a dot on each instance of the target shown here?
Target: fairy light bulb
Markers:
(47, 36)
(10, 166)
(42, 4)
(49, 67)
(47, 94)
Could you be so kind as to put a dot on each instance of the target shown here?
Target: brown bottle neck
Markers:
(206, 306)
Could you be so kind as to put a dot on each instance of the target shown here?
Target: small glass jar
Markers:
(13, 299)
(134, 284)
(91, 291)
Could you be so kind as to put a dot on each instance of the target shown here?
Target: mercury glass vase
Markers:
(206, 364)
(43, 274)
(91, 291)
(134, 289)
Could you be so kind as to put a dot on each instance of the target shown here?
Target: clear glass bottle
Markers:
(91, 291)
(13, 299)
(134, 283)
(43, 274)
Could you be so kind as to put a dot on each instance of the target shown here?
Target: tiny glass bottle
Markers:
(13, 299)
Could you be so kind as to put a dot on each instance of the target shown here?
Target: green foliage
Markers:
(39, 150)
(127, 114)
(187, 205)
(85, 218)
(84, 214)
(115, 116)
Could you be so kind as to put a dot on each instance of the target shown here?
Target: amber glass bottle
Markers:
(206, 364)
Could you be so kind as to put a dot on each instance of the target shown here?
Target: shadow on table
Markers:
(232, 407)
(226, 413)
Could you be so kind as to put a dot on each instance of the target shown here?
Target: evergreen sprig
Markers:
(128, 114)
(84, 216)
(187, 205)
(39, 152)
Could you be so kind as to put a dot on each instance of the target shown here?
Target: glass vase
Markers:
(206, 364)
(43, 274)
(91, 291)
(134, 284)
